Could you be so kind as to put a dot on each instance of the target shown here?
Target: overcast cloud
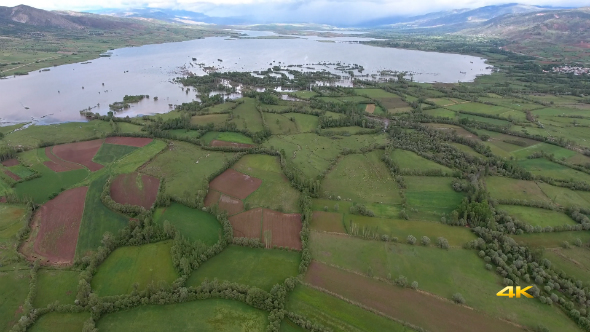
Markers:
(290, 10)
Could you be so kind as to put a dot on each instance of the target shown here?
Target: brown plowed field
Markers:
(12, 175)
(327, 222)
(58, 165)
(212, 197)
(10, 162)
(57, 224)
(247, 224)
(80, 153)
(231, 205)
(285, 228)
(130, 141)
(406, 304)
(370, 108)
(135, 189)
(232, 144)
(235, 184)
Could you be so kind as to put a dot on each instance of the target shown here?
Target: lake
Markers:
(59, 94)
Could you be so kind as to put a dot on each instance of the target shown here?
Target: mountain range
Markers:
(510, 21)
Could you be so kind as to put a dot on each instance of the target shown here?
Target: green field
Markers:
(363, 179)
(97, 220)
(109, 153)
(281, 124)
(380, 210)
(204, 315)
(536, 216)
(506, 188)
(574, 261)
(59, 133)
(565, 196)
(55, 321)
(337, 314)
(12, 219)
(14, 287)
(50, 182)
(226, 136)
(457, 236)
(215, 119)
(262, 268)
(432, 194)
(411, 161)
(56, 285)
(150, 263)
(305, 123)
(246, 117)
(544, 167)
(441, 272)
(312, 154)
(22, 171)
(275, 192)
(194, 225)
(551, 240)
(178, 165)
(137, 158)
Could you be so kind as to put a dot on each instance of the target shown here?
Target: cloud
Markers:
(267, 11)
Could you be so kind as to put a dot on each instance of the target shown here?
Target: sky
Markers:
(290, 10)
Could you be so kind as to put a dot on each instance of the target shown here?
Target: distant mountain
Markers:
(570, 27)
(463, 18)
(173, 16)
(37, 17)
(62, 19)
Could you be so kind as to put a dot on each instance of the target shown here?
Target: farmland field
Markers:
(551, 240)
(226, 137)
(544, 167)
(337, 314)
(457, 236)
(12, 219)
(66, 322)
(262, 268)
(135, 189)
(442, 273)
(505, 188)
(328, 233)
(50, 182)
(432, 194)
(55, 228)
(411, 161)
(205, 315)
(178, 165)
(129, 265)
(275, 191)
(573, 261)
(362, 179)
(536, 216)
(97, 220)
(193, 224)
(56, 285)
(109, 153)
(14, 287)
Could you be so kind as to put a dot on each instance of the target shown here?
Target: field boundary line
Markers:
(418, 290)
(364, 307)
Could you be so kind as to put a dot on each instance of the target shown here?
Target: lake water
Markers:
(59, 94)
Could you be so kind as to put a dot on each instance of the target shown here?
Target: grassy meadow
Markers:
(262, 268)
(126, 266)
(195, 225)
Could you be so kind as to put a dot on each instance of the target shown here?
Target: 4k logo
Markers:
(509, 291)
